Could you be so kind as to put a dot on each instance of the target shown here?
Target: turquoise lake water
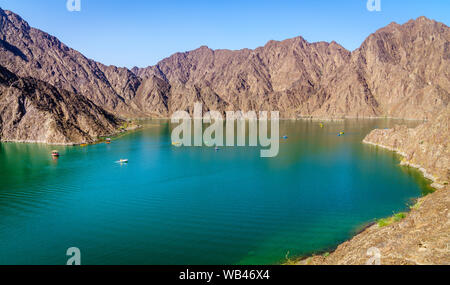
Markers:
(193, 205)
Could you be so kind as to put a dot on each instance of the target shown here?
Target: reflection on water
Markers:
(193, 205)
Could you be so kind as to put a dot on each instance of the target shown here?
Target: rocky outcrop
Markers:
(425, 147)
(35, 111)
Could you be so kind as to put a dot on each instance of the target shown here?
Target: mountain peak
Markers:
(15, 19)
(424, 19)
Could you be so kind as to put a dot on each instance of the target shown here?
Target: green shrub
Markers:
(387, 221)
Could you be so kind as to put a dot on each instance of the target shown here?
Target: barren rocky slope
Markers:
(35, 111)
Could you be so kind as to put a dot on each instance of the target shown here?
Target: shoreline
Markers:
(139, 126)
(426, 174)
(362, 230)
(307, 118)
(96, 141)
(409, 241)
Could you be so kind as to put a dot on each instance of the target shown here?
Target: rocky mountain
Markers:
(32, 110)
(27, 51)
(403, 69)
(279, 76)
(399, 71)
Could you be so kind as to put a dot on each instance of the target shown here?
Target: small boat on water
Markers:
(83, 144)
(123, 160)
(55, 153)
(108, 140)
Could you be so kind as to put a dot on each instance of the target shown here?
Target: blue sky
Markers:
(132, 32)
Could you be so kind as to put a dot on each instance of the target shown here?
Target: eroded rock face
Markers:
(35, 111)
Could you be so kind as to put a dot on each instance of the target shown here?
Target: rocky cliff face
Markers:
(399, 71)
(35, 111)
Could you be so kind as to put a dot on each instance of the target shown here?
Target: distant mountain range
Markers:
(399, 71)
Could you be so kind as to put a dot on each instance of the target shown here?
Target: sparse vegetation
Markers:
(416, 206)
(388, 221)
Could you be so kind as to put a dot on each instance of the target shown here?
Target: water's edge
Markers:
(368, 226)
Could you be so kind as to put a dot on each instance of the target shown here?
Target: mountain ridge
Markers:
(398, 71)
(366, 101)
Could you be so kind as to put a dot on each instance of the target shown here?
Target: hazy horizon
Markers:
(141, 34)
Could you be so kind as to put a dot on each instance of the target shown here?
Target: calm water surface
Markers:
(195, 205)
